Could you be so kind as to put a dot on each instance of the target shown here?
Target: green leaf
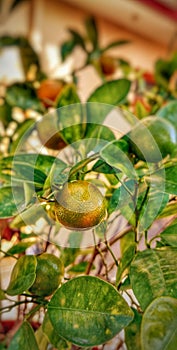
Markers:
(121, 197)
(115, 154)
(23, 275)
(102, 167)
(2, 295)
(41, 339)
(77, 38)
(153, 205)
(38, 161)
(52, 336)
(67, 96)
(5, 114)
(80, 268)
(159, 325)
(169, 210)
(153, 273)
(169, 112)
(164, 69)
(88, 311)
(169, 235)
(11, 201)
(24, 96)
(24, 338)
(171, 180)
(112, 92)
(115, 44)
(67, 48)
(19, 248)
(20, 135)
(92, 31)
(132, 333)
(70, 117)
(128, 247)
(21, 172)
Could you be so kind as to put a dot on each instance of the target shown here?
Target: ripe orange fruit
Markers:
(49, 272)
(49, 90)
(80, 205)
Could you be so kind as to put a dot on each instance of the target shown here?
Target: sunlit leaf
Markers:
(169, 112)
(116, 156)
(23, 275)
(88, 311)
(153, 273)
(169, 235)
(52, 335)
(8, 206)
(24, 96)
(111, 92)
(159, 325)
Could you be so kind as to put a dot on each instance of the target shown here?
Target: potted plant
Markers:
(88, 204)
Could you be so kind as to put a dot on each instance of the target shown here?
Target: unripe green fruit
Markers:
(152, 139)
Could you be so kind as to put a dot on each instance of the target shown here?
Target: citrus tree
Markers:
(88, 203)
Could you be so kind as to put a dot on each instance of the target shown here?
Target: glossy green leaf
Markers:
(41, 162)
(128, 246)
(41, 339)
(92, 31)
(70, 118)
(19, 247)
(116, 156)
(97, 136)
(80, 267)
(122, 196)
(170, 209)
(133, 331)
(67, 48)
(21, 134)
(2, 295)
(77, 38)
(24, 338)
(159, 325)
(115, 44)
(88, 311)
(52, 335)
(164, 69)
(23, 275)
(169, 235)
(153, 273)
(169, 112)
(24, 96)
(102, 167)
(5, 114)
(67, 96)
(21, 172)
(11, 201)
(111, 92)
(153, 205)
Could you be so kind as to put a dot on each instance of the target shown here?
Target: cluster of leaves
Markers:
(90, 309)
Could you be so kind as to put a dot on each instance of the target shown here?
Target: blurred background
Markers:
(150, 25)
